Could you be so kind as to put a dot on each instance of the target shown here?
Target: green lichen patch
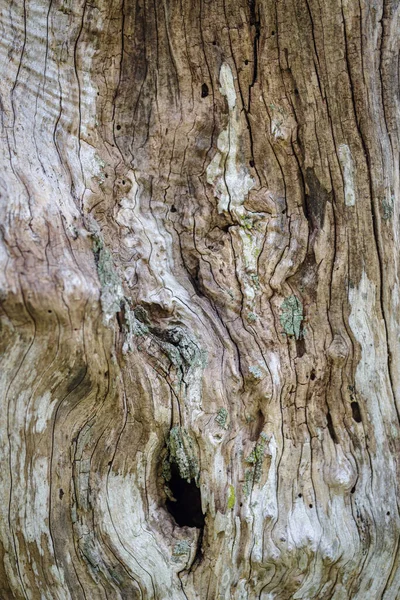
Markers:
(255, 459)
(231, 498)
(221, 418)
(246, 222)
(181, 452)
(252, 317)
(292, 316)
(181, 548)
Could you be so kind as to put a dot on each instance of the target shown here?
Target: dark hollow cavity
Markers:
(187, 508)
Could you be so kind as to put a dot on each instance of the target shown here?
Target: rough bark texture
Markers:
(200, 369)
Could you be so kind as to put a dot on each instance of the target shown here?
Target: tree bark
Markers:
(199, 300)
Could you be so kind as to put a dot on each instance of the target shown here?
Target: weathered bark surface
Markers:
(199, 281)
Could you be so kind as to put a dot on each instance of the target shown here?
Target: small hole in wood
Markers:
(173, 209)
(296, 91)
(214, 43)
(310, 505)
(355, 409)
(123, 182)
(246, 62)
(272, 32)
(118, 127)
(313, 375)
(204, 90)
(353, 489)
(61, 493)
(251, 163)
(388, 513)
(300, 495)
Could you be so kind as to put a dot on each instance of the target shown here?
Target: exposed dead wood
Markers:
(199, 300)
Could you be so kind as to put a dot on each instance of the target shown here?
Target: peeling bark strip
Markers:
(199, 286)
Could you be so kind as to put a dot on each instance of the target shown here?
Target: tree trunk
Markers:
(200, 342)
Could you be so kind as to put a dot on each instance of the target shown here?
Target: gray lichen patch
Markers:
(181, 347)
(388, 208)
(181, 452)
(112, 296)
(112, 292)
(255, 371)
(181, 549)
(292, 316)
(255, 459)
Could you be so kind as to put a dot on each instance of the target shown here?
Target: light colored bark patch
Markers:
(230, 179)
(346, 162)
(44, 410)
(371, 374)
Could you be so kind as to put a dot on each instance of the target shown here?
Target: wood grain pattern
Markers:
(199, 285)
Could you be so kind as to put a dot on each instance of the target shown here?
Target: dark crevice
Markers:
(331, 429)
(355, 408)
(316, 198)
(186, 506)
(195, 279)
(300, 347)
(255, 22)
(204, 90)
